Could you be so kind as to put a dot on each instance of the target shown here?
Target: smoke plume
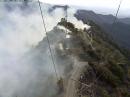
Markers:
(25, 66)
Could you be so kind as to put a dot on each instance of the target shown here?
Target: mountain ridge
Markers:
(118, 30)
(109, 17)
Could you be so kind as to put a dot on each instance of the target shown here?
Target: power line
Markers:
(66, 32)
(50, 46)
(112, 26)
(102, 72)
(66, 16)
(48, 40)
(113, 23)
(117, 11)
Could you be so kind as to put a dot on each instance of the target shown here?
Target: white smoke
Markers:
(21, 30)
(78, 23)
(51, 19)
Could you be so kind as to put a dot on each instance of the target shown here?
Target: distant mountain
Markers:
(97, 18)
(120, 31)
(125, 20)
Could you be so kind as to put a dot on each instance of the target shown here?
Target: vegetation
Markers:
(117, 70)
(68, 25)
(60, 85)
(113, 68)
(106, 75)
(103, 92)
(108, 61)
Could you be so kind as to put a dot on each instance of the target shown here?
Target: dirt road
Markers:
(73, 80)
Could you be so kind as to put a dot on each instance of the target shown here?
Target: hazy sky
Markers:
(100, 6)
